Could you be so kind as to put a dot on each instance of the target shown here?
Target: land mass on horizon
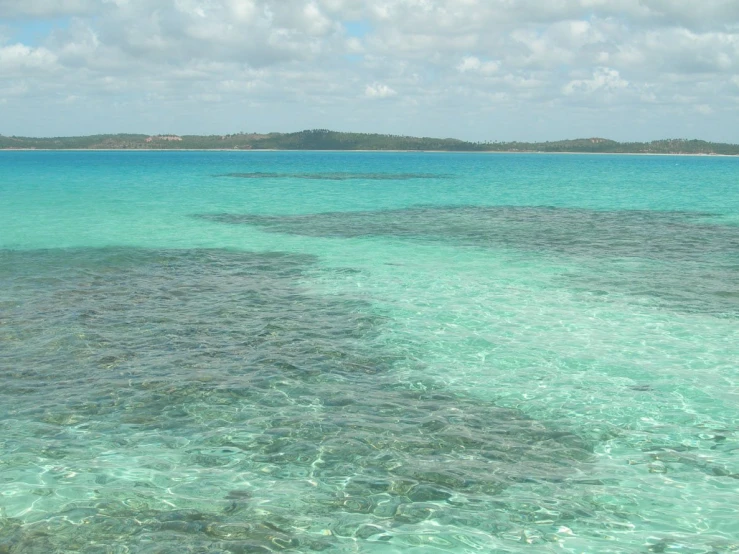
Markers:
(323, 139)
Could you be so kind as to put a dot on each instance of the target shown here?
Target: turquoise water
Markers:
(237, 352)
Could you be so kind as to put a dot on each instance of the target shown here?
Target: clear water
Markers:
(368, 352)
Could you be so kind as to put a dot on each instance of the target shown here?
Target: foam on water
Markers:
(414, 357)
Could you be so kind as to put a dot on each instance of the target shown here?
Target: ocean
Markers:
(361, 352)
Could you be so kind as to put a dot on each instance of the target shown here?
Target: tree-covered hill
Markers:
(322, 139)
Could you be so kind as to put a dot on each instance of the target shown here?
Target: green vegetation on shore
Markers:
(321, 139)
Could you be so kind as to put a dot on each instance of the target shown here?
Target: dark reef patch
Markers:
(685, 263)
(206, 363)
(614, 234)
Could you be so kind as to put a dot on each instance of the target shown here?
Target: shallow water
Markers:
(368, 352)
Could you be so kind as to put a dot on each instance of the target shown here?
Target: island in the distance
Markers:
(322, 139)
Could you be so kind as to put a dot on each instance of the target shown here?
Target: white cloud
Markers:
(604, 80)
(378, 90)
(473, 64)
(354, 46)
(243, 11)
(48, 8)
(296, 59)
(21, 58)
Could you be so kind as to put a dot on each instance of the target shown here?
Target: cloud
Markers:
(21, 59)
(455, 67)
(378, 90)
(604, 80)
(48, 8)
(473, 64)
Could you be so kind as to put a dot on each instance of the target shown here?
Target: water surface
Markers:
(368, 352)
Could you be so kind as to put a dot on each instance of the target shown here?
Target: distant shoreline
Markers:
(330, 141)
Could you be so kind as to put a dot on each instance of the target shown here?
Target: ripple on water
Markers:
(202, 399)
(337, 176)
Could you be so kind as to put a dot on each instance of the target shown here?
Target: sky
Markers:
(480, 70)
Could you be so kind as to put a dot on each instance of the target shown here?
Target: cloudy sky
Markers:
(472, 69)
